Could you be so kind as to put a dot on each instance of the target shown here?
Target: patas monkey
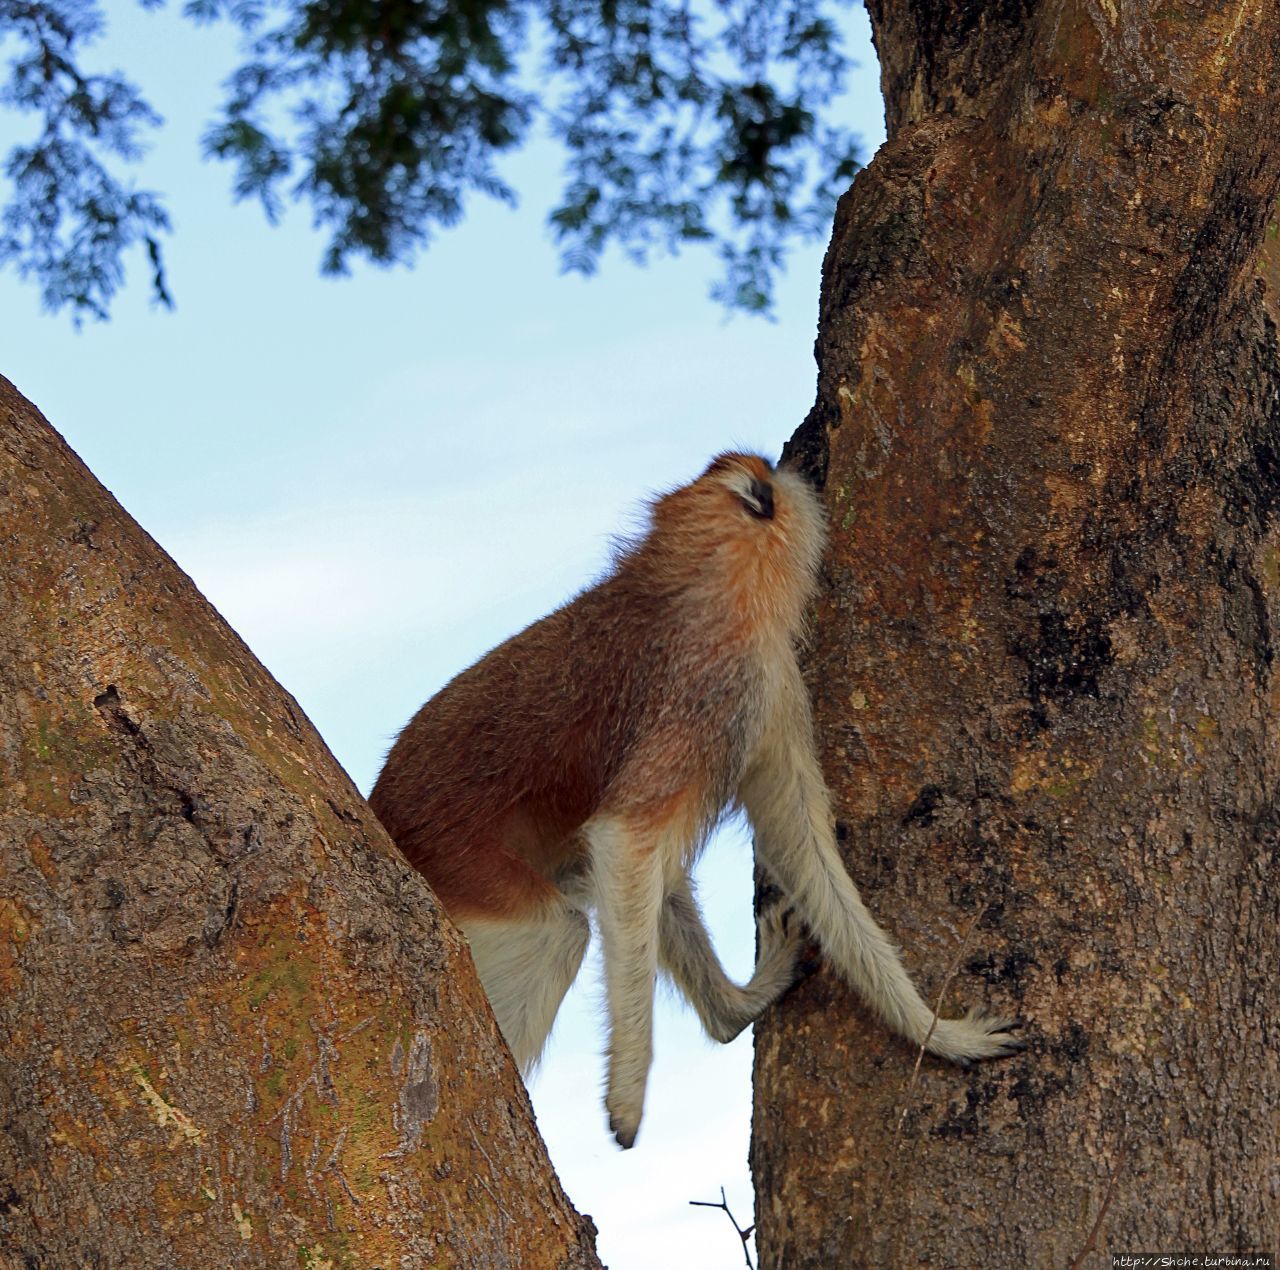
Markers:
(579, 766)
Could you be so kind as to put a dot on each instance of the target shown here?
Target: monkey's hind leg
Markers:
(627, 864)
(686, 954)
(526, 965)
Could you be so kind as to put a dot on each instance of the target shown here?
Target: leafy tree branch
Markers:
(679, 124)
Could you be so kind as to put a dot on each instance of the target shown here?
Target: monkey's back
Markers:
(487, 786)
(639, 701)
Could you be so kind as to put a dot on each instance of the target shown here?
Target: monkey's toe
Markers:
(808, 966)
(1003, 1043)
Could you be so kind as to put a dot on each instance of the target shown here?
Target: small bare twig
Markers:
(1091, 1244)
(476, 1143)
(908, 1087)
(744, 1235)
(952, 971)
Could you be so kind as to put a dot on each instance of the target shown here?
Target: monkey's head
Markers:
(755, 530)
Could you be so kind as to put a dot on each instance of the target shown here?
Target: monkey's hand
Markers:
(977, 1035)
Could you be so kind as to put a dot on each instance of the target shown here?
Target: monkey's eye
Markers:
(758, 500)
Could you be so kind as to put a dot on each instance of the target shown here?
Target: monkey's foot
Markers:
(781, 937)
(780, 940)
(977, 1035)
(624, 1136)
(624, 1103)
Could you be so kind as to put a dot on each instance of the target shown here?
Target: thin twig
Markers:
(744, 1235)
(1090, 1244)
(909, 1087)
(483, 1182)
(953, 970)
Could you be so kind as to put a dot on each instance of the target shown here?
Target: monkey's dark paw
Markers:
(768, 892)
(1000, 1032)
(780, 923)
(1013, 1044)
(780, 929)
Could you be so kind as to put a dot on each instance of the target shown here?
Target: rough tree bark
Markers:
(234, 1029)
(1048, 424)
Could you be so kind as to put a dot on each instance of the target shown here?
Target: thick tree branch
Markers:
(234, 1027)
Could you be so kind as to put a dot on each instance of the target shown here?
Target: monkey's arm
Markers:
(686, 954)
(786, 800)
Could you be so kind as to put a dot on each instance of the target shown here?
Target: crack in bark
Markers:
(110, 705)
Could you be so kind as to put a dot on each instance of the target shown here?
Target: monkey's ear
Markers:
(758, 499)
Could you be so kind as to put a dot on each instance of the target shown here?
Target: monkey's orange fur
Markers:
(487, 787)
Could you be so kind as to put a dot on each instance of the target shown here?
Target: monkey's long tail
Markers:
(795, 842)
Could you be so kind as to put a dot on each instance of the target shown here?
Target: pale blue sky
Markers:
(377, 478)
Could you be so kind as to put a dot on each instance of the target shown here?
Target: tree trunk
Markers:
(234, 1027)
(1048, 425)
